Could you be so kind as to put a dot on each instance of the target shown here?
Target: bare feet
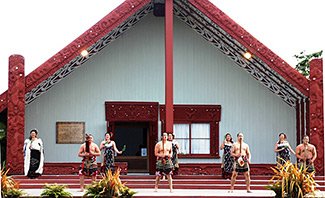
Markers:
(230, 191)
(249, 191)
(156, 190)
(81, 190)
(171, 191)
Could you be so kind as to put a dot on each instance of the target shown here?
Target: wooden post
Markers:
(169, 65)
(317, 113)
(16, 115)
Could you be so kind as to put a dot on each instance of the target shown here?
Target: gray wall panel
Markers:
(132, 69)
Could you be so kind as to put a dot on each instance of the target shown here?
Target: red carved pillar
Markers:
(169, 65)
(317, 112)
(16, 115)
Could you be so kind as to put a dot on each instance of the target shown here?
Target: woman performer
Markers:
(33, 155)
(283, 149)
(109, 147)
(227, 160)
(176, 149)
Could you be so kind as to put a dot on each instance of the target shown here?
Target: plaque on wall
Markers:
(70, 132)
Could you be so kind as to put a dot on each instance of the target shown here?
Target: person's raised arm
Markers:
(97, 151)
(81, 152)
(291, 150)
(276, 148)
(157, 153)
(178, 147)
(222, 144)
(115, 149)
(298, 153)
(102, 145)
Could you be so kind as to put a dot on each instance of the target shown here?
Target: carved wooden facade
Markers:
(204, 18)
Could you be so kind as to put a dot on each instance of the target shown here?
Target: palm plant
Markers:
(55, 191)
(9, 187)
(108, 187)
(290, 181)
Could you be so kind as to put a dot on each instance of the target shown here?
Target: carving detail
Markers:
(16, 115)
(215, 169)
(317, 112)
(117, 111)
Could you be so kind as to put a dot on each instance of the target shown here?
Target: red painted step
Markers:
(148, 181)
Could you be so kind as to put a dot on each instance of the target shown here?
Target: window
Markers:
(196, 128)
(193, 138)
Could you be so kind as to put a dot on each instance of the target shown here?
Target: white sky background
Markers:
(38, 29)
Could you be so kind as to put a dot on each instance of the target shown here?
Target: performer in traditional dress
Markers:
(109, 147)
(227, 160)
(164, 164)
(176, 150)
(306, 155)
(33, 155)
(240, 151)
(88, 151)
(283, 149)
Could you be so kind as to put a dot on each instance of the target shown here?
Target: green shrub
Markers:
(108, 187)
(55, 191)
(290, 181)
(9, 187)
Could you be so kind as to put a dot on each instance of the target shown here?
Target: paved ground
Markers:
(178, 192)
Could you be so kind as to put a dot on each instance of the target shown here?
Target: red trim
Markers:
(16, 115)
(93, 34)
(194, 113)
(3, 101)
(198, 114)
(128, 8)
(72, 168)
(215, 169)
(169, 65)
(136, 112)
(317, 112)
(252, 44)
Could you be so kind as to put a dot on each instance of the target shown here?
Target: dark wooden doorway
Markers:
(138, 120)
(135, 135)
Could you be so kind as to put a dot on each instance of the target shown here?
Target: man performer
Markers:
(306, 155)
(240, 151)
(164, 164)
(88, 151)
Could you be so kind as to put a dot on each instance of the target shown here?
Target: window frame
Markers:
(190, 114)
(190, 139)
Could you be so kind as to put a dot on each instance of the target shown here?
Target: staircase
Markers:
(204, 183)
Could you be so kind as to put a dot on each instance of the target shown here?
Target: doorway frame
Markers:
(118, 111)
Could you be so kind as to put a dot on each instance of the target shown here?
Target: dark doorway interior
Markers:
(135, 135)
